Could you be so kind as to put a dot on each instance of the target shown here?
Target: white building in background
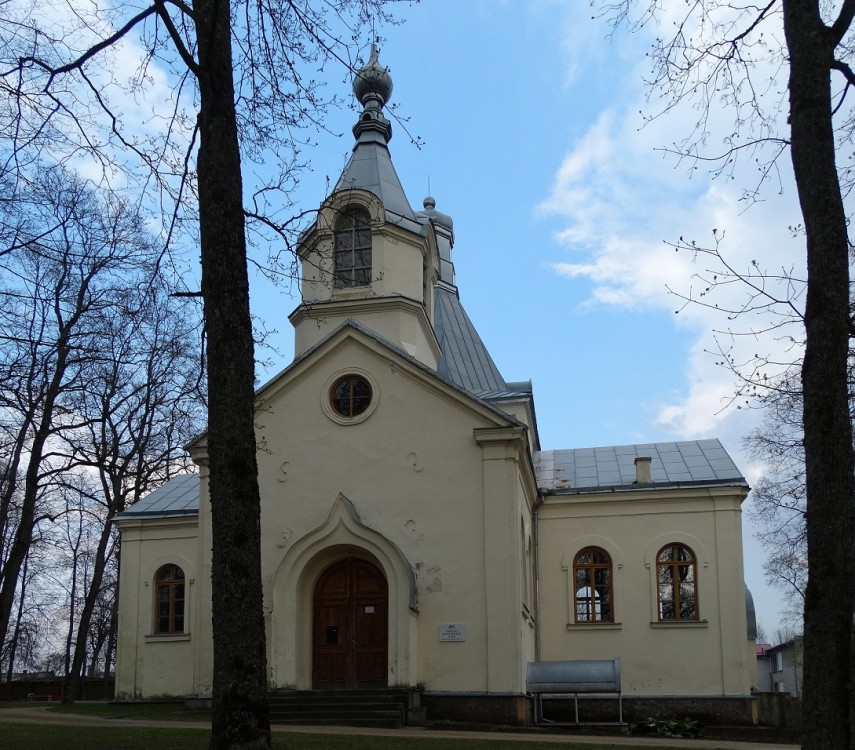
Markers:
(414, 532)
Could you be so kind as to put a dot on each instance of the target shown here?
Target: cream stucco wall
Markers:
(398, 304)
(706, 658)
(438, 491)
(430, 487)
(149, 665)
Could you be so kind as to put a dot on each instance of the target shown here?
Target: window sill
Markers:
(594, 625)
(680, 624)
(167, 637)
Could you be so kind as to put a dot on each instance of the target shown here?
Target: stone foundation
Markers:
(709, 710)
(489, 708)
(517, 710)
(779, 710)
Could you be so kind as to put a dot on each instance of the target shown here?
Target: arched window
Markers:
(526, 568)
(592, 576)
(352, 253)
(676, 575)
(169, 600)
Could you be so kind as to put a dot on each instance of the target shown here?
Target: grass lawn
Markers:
(160, 711)
(37, 736)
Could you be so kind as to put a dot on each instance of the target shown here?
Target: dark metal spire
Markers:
(370, 167)
(372, 85)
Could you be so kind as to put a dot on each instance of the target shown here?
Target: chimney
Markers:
(642, 470)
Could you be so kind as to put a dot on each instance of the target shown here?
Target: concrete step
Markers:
(368, 708)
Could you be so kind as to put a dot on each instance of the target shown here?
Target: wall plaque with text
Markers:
(452, 631)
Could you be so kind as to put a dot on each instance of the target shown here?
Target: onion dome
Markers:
(373, 78)
(372, 85)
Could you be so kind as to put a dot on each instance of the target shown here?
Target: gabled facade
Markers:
(779, 668)
(413, 531)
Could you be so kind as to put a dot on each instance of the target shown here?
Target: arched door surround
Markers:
(289, 609)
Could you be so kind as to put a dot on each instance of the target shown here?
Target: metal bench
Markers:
(586, 677)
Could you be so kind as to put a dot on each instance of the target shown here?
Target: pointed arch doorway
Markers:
(350, 644)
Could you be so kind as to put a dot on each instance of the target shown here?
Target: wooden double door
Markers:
(350, 646)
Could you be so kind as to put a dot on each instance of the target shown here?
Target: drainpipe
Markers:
(541, 498)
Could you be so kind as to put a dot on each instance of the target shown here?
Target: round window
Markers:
(350, 396)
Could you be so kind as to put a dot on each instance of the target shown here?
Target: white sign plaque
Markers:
(452, 631)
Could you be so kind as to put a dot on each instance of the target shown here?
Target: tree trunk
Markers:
(22, 539)
(42, 431)
(827, 428)
(72, 610)
(13, 648)
(240, 717)
(71, 690)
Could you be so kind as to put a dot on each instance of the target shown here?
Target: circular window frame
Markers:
(327, 398)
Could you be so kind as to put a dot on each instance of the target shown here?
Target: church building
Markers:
(414, 531)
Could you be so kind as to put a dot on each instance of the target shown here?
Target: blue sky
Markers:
(562, 205)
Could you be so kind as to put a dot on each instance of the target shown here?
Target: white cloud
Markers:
(622, 205)
(620, 199)
(139, 93)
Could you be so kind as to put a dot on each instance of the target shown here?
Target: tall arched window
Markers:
(352, 253)
(592, 576)
(169, 600)
(526, 568)
(676, 575)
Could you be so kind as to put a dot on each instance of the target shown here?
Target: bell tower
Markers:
(369, 257)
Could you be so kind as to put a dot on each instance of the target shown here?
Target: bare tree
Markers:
(53, 292)
(778, 498)
(723, 54)
(143, 403)
(129, 398)
(75, 531)
(233, 105)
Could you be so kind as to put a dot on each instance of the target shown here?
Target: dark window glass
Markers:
(350, 395)
(352, 252)
(592, 573)
(678, 585)
(169, 600)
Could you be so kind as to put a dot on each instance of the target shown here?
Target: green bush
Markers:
(681, 728)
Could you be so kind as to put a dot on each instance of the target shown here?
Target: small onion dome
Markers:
(373, 78)
(444, 220)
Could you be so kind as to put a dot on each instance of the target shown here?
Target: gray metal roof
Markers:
(594, 469)
(370, 168)
(465, 360)
(178, 497)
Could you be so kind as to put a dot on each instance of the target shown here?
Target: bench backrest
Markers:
(578, 676)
